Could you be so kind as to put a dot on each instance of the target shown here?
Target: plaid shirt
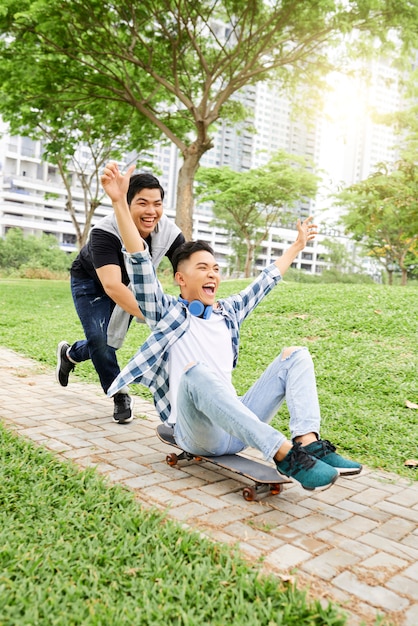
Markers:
(169, 319)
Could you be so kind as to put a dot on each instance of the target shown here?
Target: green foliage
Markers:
(247, 204)
(362, 338)
(76, 551)
(19, 254)
(382, 212)
(179, 64)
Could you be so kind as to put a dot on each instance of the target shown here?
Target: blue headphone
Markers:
(197, 308)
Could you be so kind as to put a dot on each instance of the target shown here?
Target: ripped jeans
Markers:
(211, 421)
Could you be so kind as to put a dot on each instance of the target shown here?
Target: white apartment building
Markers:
(32, 198)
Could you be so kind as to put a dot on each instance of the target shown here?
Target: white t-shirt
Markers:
(206, 341)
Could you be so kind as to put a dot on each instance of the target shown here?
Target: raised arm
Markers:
(306, 232)
(116, 186)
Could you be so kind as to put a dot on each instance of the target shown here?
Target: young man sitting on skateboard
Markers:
(188, 359)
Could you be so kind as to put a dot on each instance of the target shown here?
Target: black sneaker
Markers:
(311, 473)
(122, 413)
(64, 365)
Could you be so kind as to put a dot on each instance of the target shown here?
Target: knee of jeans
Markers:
(288, 351)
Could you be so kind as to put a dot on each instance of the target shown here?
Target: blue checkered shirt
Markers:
(169, 319)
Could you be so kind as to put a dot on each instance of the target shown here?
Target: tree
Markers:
(18, 252)
(247, 204)
(337, 255)
(179, 63)
(79, 141)
(382, 212)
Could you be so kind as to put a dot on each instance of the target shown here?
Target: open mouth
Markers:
(209, 289)
(148, 221)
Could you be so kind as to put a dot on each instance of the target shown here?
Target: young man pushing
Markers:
(188, 359)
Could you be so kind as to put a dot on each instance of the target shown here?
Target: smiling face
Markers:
(146, 210)
(199, 277)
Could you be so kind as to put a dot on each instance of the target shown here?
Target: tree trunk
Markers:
(404, 277)
(185, 200)
(249, 260)
(390, 277)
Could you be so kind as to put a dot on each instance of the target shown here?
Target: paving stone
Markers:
(289, 508)
(364, 511)
(376, 595)
(311, 544)
(197, 495)
(382, 566)
(411, 540)
(349, 545)
(56, 446)
(312, 523)
(147, 479)
(412, 571)
(271, 519)
(393, 547)
(396, 528)
(398, 511)
(328, 564)
(116, 475)
(355, 526)
(225, 516)
(219, 535)
(338, 492)
(404, 586)
(369, 496)
(185, 482)
(411, 616)
(287, 557)
(188, 511)
(330, 510)
(220, 488)
(164, 497)
(74, 453)
(246, 534)
(406, 497)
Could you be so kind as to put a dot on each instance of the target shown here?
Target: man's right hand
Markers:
(114, 182)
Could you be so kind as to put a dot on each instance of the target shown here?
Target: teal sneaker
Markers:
(311, 473)
(325, 452)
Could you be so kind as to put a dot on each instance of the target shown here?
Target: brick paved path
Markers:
(356, 543)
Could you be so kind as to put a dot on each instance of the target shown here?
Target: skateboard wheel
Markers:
(249, 494)
(276, 489)
(171, 459)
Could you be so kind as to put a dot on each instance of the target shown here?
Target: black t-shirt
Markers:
(104, 248)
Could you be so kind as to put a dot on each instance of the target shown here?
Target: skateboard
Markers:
(266, 480)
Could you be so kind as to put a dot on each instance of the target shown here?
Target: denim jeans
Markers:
(211, 421)
(94, 309)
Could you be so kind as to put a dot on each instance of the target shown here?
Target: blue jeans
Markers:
(211, 421)
(94, 309)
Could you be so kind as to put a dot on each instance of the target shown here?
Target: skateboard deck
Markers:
(266, 480)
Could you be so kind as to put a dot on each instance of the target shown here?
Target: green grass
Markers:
(75, 551)
(363, 339)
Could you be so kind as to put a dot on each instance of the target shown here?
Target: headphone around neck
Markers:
(197, 308)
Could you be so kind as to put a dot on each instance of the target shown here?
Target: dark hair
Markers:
(142, 181)
(185, 251)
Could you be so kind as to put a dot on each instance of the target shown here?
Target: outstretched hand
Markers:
(306, 231)
(114, 182)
